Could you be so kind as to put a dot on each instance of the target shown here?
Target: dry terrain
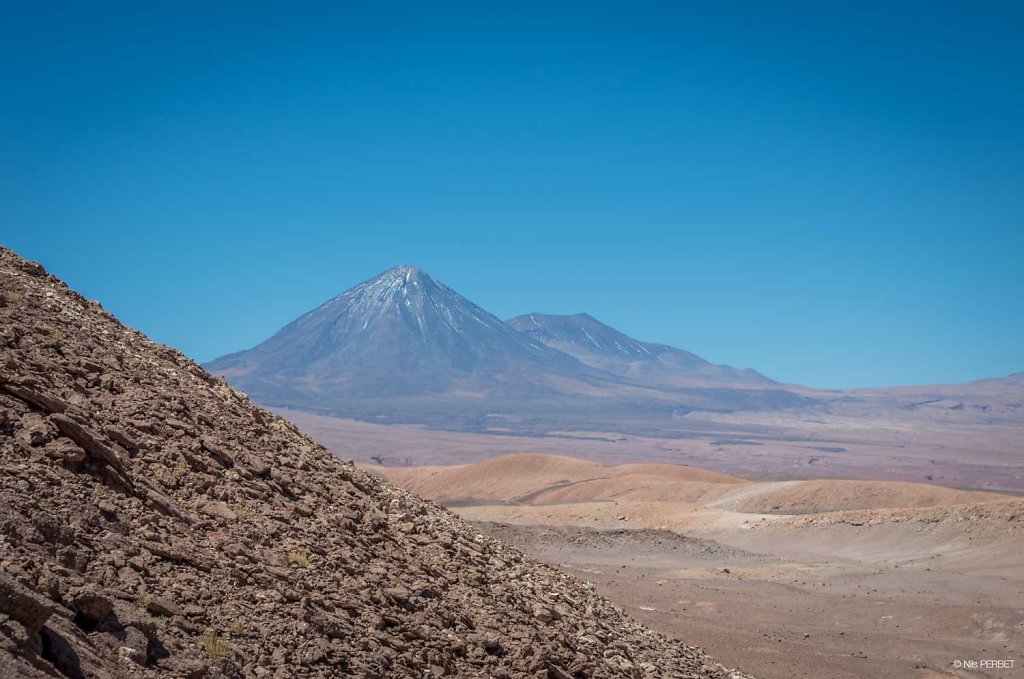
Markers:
(795, 578)
(897, 445)
(155, 522)
(404, 349)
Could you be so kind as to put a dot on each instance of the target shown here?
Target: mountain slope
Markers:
(605, 348)
(403, 347)
(155, 522)
(401, 334)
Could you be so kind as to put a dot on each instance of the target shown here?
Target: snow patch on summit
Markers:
(401, 333)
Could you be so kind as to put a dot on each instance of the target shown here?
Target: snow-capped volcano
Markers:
(408, 296)
(404, 347)
(404, 334)
(605, 348)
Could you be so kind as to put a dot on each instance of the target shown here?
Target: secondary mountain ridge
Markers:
(605, 348)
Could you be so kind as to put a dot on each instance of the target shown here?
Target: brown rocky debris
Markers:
(154, 522)
(22, 604)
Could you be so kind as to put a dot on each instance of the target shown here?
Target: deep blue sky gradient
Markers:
(832, 193)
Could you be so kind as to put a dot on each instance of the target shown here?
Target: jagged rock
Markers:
(48, 403)
(35, 429)
(23, 605)
(217, 452)
(162, 606)
(93, 604)
(258, 467)
(106, 507)
(31, 268)
(126, 442)
(162, 503)
(542, 613)
(67, 451)
(217, 510)
(89, 441)
(556, 672)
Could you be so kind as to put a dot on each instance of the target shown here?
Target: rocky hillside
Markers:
(154, 521)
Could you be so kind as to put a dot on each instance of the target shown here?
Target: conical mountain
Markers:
(605, 348)
(155, 522)
(401, 334)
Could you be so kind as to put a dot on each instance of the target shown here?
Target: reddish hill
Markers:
(533, 478)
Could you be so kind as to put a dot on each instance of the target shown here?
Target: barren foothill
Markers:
(155, 522)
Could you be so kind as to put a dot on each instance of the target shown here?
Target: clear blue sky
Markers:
(832, 193)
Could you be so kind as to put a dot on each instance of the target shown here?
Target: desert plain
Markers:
(799, 578)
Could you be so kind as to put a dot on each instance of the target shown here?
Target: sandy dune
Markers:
(828, 495)
(506, 478)
(548, 479)
(800, 578)
(537, 479)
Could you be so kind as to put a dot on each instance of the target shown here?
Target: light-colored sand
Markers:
(887, 601)
(861, 579)
(547, 479)
(831, 494)
(737, 498)
(538, 479)
(678, 516)
(503, 479)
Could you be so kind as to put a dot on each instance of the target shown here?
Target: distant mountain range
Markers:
(605, 348)
(404, 347)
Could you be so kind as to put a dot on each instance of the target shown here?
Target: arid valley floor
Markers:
(790, 578)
